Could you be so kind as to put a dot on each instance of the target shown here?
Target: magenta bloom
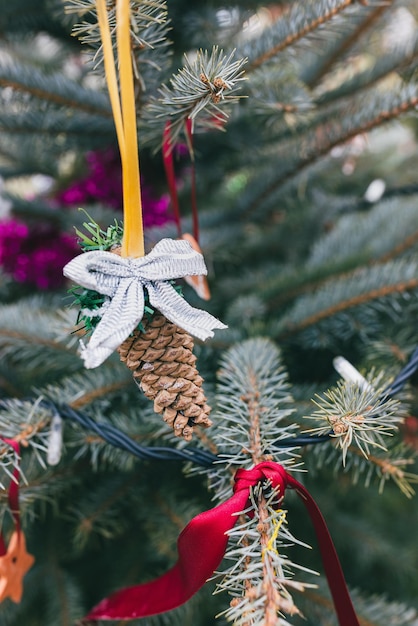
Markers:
(155, 209)
(35, 256)
(13, 234)
(103, 183)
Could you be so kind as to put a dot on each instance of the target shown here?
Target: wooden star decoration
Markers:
(13, 567)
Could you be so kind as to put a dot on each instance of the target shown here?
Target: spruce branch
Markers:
(392, 467)
(303, 19)
(408, 243)
(98, 515)
(350, 244)
(277, 93)
(64, 598)
(381, 467)
(359, 288)
(25, 431)
(54, 89)
(253, 407)
(367, 114)
(260, 580)
(253, 404)
(373, 610)
(27, 424)
(30, 343)
(87, 388)
(145, 14)
(354, 235)
(199, 91)
(398, 59)
(148, 32)
(27, 154)
(357, 415)
(344, 44)
(100, 392)
(53, 123)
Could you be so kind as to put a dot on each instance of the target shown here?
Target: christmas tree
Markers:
(283, 137)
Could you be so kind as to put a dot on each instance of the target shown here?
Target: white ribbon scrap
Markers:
(124, 279)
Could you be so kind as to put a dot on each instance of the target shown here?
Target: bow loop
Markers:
(124, 280)
(98, 270)
(267, 470)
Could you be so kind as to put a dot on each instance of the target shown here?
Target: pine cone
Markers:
(164, 367)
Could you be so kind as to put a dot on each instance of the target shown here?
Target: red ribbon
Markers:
(201, 547)
(170, 174)
(13, 492)
(195, 216)
(168, 161)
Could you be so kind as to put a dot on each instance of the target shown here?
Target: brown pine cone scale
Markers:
(164, 367)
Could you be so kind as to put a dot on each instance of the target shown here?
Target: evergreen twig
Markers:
(304, 18)
(54, 89)
(347, 42)
(329, 139)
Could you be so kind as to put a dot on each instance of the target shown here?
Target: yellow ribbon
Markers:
(124, 115)
(271, 544)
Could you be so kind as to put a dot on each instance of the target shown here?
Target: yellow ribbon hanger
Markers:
(124, 114)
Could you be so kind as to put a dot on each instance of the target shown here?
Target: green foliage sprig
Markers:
(90, 302)
(358, 416)
(151, 48)
(100, 239)
(203, 86)
(147, 18)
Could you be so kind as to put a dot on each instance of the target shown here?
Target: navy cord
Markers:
(403, 376)
(395, 387)
(198, 456)
(118, 439)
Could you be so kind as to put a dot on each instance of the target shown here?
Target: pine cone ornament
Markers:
(164, 367)
(160, 355)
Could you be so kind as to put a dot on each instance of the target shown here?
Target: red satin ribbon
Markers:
(168, 161)
(13, 493)
(170, 174)
(195, 216)
(201, 547)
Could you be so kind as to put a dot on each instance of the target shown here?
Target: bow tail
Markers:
(334, 573)
(201, 547)
(175, 308)
(123, 313)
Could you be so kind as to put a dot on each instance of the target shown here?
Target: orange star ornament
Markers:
(13, 567)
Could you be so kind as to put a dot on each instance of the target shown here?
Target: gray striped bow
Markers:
(123, 280)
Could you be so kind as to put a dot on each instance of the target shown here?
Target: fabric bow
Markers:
(123, 280)
(201, 547)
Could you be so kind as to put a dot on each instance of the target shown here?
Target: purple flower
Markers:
(103, 183)
(12, 236)
(35, 256)
(154, 208)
